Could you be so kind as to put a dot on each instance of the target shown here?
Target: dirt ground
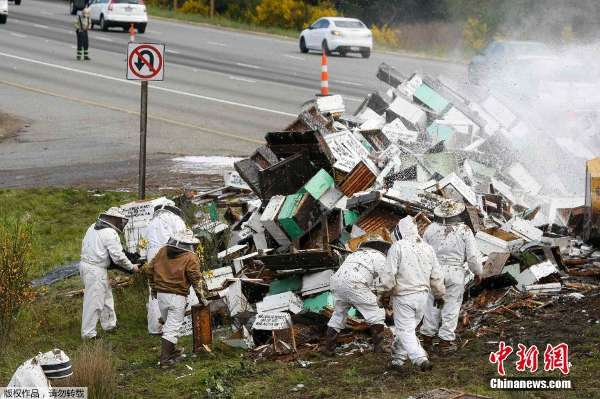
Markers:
(10, 125)
(368, 375)
(109, 176)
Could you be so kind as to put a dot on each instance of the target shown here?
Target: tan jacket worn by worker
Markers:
(176, 275)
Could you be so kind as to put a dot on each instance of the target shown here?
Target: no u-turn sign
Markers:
(145, 61)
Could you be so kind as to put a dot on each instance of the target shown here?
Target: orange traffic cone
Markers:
(131, 33)
(324, 76)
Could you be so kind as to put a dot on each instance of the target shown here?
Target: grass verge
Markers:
(60, 218)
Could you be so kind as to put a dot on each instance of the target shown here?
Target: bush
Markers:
(195, 7)
(323, 10)
(15, 264)
(475, 33)
(94, 367)
(290, 14)
(385, 35)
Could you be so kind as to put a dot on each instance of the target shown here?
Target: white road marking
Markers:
(172, 51)
(294, 57)
(217, 44)
(104, 39)
(40, 26)
(345, 82)
(242, 79)
(248, 65)
(18, 35)
(156, 88)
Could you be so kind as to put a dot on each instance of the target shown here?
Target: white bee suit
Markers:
(100, 246)
(454, 246)
(164, 225)
(411, 272)
(352, 285)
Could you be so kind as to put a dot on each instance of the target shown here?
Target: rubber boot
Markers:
(79, 55)
(425, 365)
(168, 354)
(376, 331)
(427, 343)
(179, 351)
(447, 347)
(166, 351)
(86, 56)
(330, 342)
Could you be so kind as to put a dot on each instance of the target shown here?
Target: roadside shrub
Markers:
(195, 7)
(94, 367)
(567, 35)
(290, 14)
(324, 9)
(282, 13)
(16, 235)
(475, 33)
(385, 35)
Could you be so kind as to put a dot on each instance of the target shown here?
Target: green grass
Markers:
(220, 21)
(61, 217)
(53, 320)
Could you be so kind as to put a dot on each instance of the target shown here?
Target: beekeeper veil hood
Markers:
(114, 218)
(55, 364)
(449, 212)
(168, 206)
(378, 244)
(406, 229)
(184, 241)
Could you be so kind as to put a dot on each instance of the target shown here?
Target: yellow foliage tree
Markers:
(385, 35)
(475, 33)
(290, 14)
(195, 7)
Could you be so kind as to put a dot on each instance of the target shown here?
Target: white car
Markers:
(120, 13)
(3, 11)
(336, 34)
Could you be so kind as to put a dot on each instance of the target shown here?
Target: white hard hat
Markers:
(55, 363)
(184, 240)
(449, 209)
(114, 212)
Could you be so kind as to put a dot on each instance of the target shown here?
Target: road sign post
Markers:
(145, 62)
(143, 131)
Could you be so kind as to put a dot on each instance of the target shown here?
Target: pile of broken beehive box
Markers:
(330, 180)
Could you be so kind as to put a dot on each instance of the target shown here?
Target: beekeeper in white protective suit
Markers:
(411, 273)
(352, 285)
(454, 245)
(31, 379)
(101, 246)
(166, 222)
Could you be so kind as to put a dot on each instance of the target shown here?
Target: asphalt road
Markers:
(222, 91)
